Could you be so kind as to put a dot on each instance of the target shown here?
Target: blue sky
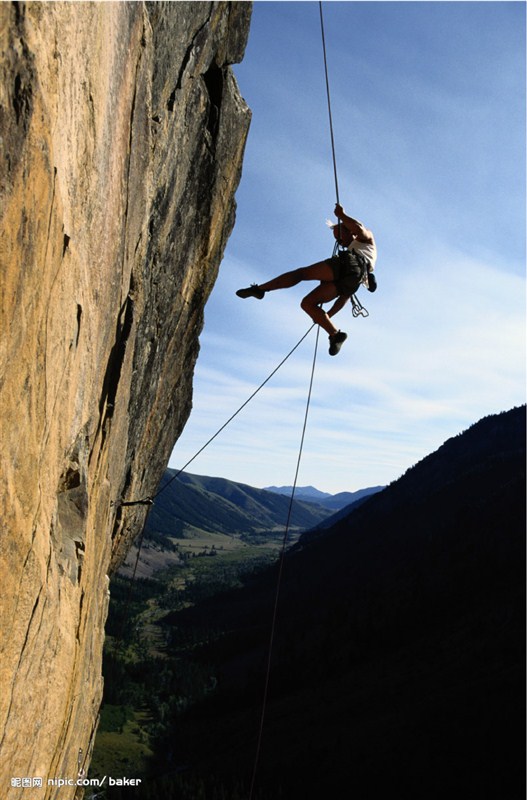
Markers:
(429, 118)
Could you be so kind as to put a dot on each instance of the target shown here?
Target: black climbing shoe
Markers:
(252, 291)
(336, 341)
(372, 282)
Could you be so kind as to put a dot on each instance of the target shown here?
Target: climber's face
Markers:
(345, 238)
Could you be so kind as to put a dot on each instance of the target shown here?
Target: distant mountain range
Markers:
(193, 504)
(399, 653)
(305, 491)
(334, 502)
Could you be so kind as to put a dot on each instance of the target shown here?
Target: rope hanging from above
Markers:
(357, 307)
(328, 94)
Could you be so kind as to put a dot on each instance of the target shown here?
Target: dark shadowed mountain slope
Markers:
(199, 503)
(398, 664)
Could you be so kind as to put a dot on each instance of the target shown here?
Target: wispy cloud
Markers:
(422, 161)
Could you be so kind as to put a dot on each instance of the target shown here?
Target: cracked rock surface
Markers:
(122, 137)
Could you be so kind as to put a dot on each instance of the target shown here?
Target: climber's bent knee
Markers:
(306, 305)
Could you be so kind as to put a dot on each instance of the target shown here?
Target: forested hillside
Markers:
(195, 503)
(398, 658)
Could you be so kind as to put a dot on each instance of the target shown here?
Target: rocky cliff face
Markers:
(122, 136)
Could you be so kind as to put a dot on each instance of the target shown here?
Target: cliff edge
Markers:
(122, 137)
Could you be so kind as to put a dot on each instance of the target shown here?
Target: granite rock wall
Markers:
(122, 136)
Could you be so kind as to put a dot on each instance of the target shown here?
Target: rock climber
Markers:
(339, 276)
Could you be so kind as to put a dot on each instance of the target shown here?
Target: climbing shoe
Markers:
(336, 341)
(252, 291)
(372, 282)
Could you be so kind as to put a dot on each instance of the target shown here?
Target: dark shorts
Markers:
(347, 272)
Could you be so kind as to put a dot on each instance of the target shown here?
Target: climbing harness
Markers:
(357, 309)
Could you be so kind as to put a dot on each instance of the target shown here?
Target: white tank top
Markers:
(367, 250)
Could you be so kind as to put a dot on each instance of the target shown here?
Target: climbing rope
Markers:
(149, 501)
(357, 307)
(279, 577)
(275, 370)
(328, 94)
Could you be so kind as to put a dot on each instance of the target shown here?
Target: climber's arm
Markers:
(354, 226)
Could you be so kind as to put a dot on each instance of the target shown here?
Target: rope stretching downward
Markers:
(279, 578)
(149, 501)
